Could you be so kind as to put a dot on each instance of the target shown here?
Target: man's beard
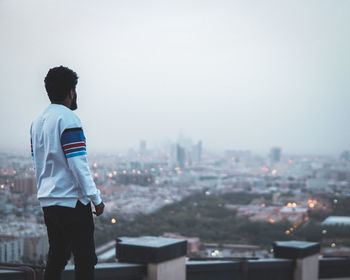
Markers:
(74, 105)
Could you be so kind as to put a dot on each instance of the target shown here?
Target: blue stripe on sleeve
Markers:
(76, 154)
(72, 136)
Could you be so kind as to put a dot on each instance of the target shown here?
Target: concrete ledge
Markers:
(212, 266)
(331, 268)
(263, 269)
(11, 274)
(174, 269)
(269, 269)
(295, 249)
(149, 249)
(209, 270)
(111, 271)
(347, 278)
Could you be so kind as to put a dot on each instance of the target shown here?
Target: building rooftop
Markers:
(337, 221)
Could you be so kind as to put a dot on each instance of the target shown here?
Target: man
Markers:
(65, 185)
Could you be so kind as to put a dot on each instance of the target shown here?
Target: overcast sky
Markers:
(246, 74)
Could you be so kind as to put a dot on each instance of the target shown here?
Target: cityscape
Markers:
(216, 132)
(232, 204)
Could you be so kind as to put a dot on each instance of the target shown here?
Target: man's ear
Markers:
(71, 94)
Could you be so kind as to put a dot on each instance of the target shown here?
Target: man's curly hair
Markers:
(59, 81)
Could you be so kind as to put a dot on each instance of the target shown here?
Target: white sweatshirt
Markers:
(59, 158)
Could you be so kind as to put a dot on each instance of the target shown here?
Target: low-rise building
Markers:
(337, 221)
(33, 236)
(11, 249)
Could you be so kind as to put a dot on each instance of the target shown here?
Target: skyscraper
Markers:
(275, 154)
(197, 152)
(180, 155)
(143, 147)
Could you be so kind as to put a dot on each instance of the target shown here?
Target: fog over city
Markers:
(235, 74)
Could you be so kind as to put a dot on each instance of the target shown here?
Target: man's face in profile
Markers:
(74, 105)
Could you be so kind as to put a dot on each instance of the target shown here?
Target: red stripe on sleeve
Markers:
(69, 146)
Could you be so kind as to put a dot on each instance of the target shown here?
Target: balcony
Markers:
(169, 263)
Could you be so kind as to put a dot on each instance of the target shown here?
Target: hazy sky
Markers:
(236, 74)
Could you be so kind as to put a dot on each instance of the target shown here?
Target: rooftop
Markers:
(337, 220)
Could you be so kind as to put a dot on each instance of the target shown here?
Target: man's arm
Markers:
(31, 147)
(74, 147)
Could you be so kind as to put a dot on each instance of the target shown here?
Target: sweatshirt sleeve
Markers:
(74, 147)
(31, 146)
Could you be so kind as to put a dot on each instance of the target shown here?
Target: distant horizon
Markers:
(216, 151)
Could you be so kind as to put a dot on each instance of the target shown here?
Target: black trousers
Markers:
(70, 230)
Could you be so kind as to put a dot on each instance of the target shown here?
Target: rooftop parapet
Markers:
(300, 262)
(165, 257)
(305, 255)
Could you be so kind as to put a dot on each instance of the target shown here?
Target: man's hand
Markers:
(99, 209)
